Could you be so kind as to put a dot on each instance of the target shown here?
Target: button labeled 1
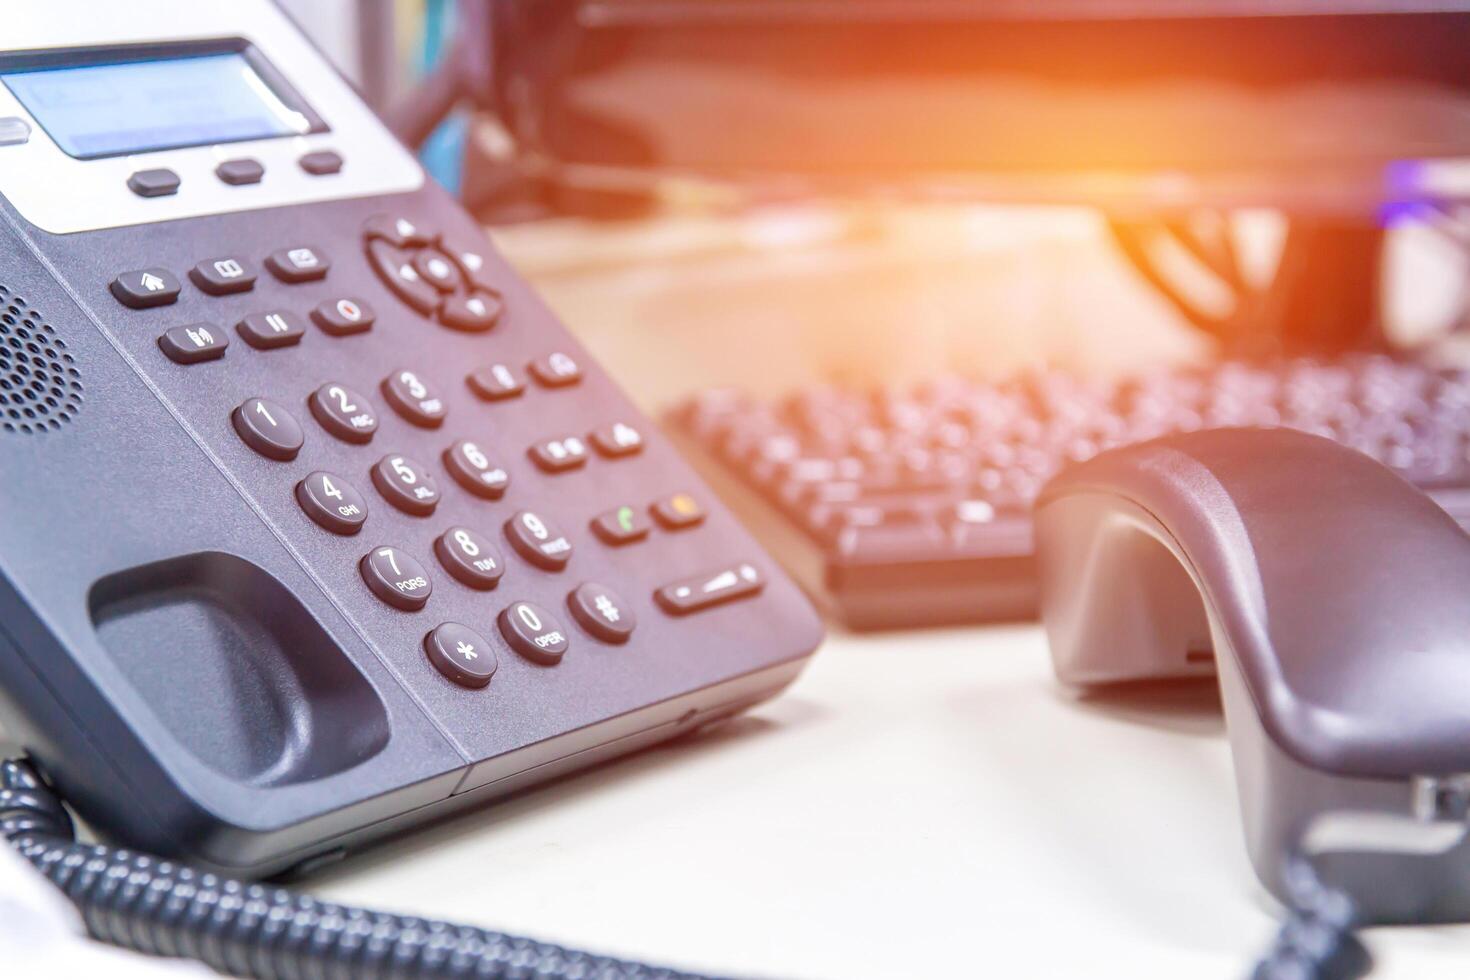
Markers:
(268, 429)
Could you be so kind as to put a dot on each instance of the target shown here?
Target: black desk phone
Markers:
(316, 523)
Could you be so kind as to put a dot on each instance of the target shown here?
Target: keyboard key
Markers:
(414, 399)
(240, 171)
(474, 313)
(461, 654)
(146, 288)
(406, 484)
(297, 265)
(268, 429)
(677, 511)
(436, 270)
(559, 455)
(470, 557)
(616, 440)
(194, 344)
(495, 383)
(602, 612)
(396, 230)
(710, 589)
(473, 469)
(621, 525)
(224, 276)
(396, 577)
(159, 182)
(344, 413)
(332, 503)
(534, 633)
(395, 267)
(268, 331)
(343, 317)
(555, 370)
(538, 540)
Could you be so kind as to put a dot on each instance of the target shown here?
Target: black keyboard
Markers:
(911, 507)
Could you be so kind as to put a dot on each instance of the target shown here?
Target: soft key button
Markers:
(299, 264)
(223, 276)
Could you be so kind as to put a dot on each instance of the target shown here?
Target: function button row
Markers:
(710, 588)
(397, 578)
(413, 398)
(625, 525)
(142, 289)
(194, 343)
(570, 452)
(268, 429)
(344, 413)
(406, 484)
(472, 469)
(332, 502)
(539, 540)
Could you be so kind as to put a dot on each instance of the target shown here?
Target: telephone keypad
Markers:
(270, 331)
(534, 633)
(470, 557)
(539, 540)
(412, 397)
(461, 654)
(344, 413)
(298, 264)
(343, 317)
(473, 469)
(269, 429)
(406, 484)
(397, 578)
(332, 502)
(224, 276)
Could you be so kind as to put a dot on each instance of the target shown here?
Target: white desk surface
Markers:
(918, 804)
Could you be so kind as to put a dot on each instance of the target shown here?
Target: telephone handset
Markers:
(317, 524)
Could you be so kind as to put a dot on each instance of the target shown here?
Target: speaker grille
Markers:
(40, 386)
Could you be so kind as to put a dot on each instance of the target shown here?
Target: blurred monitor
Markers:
(1289, 102)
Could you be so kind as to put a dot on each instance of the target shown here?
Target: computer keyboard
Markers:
(911, 507)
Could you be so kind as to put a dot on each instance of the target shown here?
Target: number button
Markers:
(332, 502)
(461, 654)
(495, 383)
(602, 612)
(343, 317)
(413, 398)
(538, 540)
(622, 525)
(558, 455)
(344, 413)
(533, 633)
(221, 277)
(396, 578)
(475, 471)
(470, 557)
(406, 485)
(556, 370)
(268, 429)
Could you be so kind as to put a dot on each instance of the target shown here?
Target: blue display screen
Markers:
(109, 110)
